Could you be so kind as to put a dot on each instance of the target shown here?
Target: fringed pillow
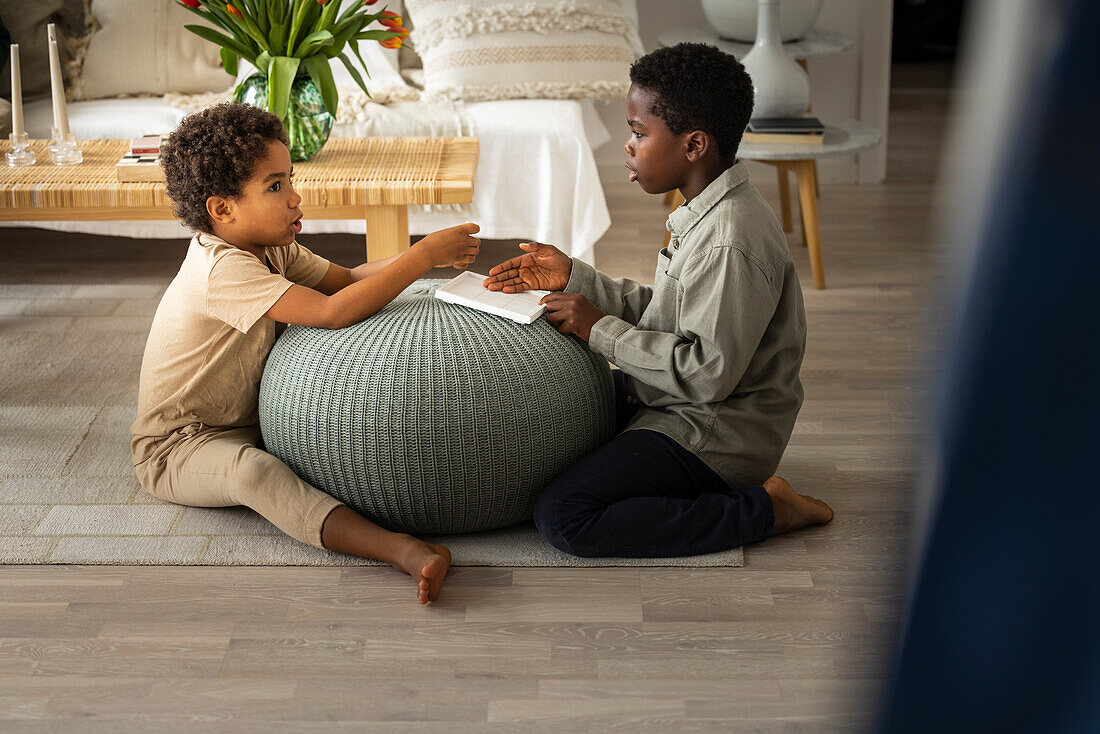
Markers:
(547, 49)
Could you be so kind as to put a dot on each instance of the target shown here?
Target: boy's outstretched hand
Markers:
(452, 247)
(571, 313)
(543, 267)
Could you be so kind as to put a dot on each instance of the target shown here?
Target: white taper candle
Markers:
(57, 86)
(16, 92)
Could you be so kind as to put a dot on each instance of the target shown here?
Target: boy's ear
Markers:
(696, 145)
(220, 209)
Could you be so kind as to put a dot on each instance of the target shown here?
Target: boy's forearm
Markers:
(619, 297)
(366, 269)
(375, 286)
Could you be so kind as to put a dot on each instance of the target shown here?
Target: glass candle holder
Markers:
(20, 153)
(63, 149)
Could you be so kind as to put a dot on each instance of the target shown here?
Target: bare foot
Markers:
(427, 564)
(347, 531)
(793, 511)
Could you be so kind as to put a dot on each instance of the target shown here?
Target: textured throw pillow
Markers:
(551, 49)
(142, 47)
(26, 21)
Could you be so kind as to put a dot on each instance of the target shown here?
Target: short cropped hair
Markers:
(697, 87)
(213, 153)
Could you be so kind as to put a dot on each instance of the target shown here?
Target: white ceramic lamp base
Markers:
(780, 86)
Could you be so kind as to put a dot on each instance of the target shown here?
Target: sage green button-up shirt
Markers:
(712, 350)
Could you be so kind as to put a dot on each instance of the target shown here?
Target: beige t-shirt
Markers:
(209, 339)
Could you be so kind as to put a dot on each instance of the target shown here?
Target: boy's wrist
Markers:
(421, 256)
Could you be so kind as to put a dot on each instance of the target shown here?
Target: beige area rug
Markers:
(69, 365)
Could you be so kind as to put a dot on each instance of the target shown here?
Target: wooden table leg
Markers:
(784, 197)
(387, 231)
(804, 171)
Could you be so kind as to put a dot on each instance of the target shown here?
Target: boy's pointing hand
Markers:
(571, 313)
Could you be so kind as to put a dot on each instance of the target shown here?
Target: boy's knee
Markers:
(560, 521)
(256, 471)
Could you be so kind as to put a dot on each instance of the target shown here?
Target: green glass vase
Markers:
(307, 122)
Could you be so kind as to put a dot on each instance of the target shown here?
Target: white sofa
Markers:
(537, 177)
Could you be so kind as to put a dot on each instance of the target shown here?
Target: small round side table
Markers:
(843, 136)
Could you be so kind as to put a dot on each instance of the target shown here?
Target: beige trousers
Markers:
(210, 466)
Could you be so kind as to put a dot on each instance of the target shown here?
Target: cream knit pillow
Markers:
(551, 49)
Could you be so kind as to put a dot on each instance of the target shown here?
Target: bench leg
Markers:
(807, 199)
(387, 231)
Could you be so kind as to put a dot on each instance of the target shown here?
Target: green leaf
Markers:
(354, 73)
(375, 35)
(329, 13)
(278, 34)
(229, 61)
(262, 20)
(339, 40)
(280, 79)
(322, 76)
(312, 9)
(221, 39)
(299, 14)
(312, 42)
(355, 50)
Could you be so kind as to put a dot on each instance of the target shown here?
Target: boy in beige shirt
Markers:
(196, 440)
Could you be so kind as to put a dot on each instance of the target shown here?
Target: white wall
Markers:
(854, 83)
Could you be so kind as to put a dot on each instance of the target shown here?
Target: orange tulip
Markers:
(394, 42)
(234, 11)
(391, 19)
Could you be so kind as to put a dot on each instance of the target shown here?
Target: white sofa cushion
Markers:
(105, 118)
(172, 59)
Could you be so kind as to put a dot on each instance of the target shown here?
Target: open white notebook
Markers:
(467, 290)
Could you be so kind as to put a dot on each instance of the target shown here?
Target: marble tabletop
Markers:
(843, 136)
(814, 43)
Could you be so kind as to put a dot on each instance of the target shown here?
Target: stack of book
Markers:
(800, 130)
(142, 163)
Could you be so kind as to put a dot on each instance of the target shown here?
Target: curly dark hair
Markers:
(212, 153)
(698, 87)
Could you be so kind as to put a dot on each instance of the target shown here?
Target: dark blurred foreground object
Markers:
(1003, 629)
(926, 30)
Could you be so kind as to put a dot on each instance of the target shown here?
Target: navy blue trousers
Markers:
(643, 495)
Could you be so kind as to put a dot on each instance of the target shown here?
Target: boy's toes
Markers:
(433, 573)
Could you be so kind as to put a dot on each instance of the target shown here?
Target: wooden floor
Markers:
(798, 640)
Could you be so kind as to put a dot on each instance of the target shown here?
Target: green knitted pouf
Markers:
(434, 418)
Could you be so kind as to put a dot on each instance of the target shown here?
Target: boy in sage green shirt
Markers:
(708, 356)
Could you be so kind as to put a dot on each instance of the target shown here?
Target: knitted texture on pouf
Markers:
(430, 417)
